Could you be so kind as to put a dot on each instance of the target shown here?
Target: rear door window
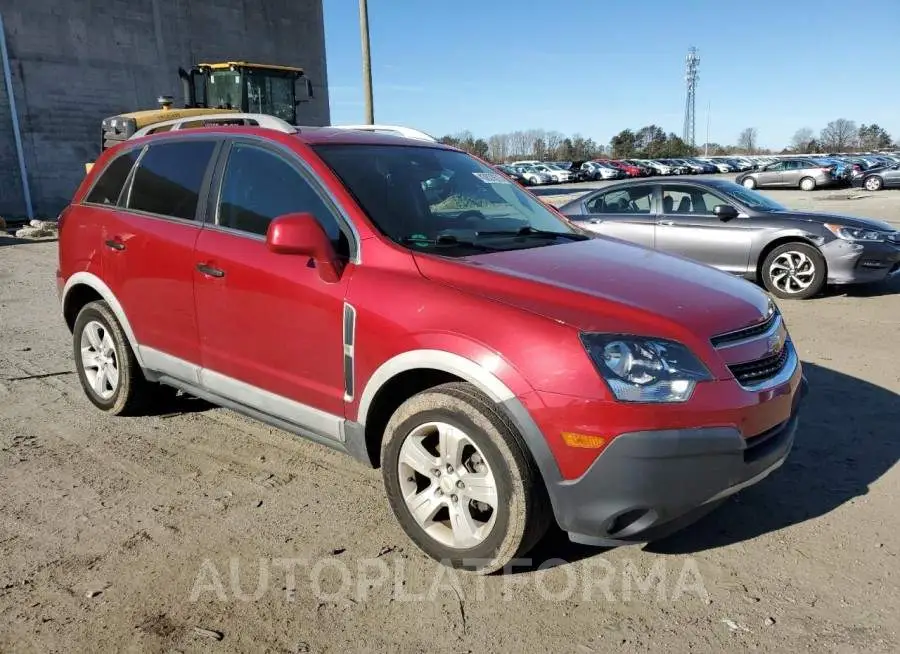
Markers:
(109, 185)
(169, 178)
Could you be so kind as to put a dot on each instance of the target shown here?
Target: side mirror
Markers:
(301, 234)
(725, 212)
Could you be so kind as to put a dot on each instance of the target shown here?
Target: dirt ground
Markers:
(197, 530)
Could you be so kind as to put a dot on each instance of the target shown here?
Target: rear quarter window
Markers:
(169, 178)
(109, 185)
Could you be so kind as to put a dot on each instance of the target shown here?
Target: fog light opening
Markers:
(623, 521)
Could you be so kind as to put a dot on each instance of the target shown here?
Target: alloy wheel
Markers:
(873, 184)
(99, 360)
(792, 272)
(448, 485)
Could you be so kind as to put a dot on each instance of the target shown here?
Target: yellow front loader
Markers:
(236, 86)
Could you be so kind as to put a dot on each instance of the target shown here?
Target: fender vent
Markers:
(349, 346)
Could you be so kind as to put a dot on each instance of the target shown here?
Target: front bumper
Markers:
(649, 484)
(851, 262)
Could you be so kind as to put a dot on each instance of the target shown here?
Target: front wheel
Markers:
(749, 183)
(874, 183)
(461, 481)
(794, 271)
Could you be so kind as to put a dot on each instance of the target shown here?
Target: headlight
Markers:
(856, 234)
(641, 369)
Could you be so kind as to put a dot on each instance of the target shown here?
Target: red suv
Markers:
(403, 302)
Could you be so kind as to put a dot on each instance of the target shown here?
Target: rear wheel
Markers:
(106, 366)
(461, 481)
(807, 184)
(749, 182)
(874, 183)
(794, 271)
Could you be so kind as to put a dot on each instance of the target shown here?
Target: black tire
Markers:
(749, 182)
(873, 183)
(820, 271)
(131, 393)
(807, 184)
(523, 508)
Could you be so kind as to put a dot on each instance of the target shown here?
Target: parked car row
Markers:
(534, 173)
(807, 172)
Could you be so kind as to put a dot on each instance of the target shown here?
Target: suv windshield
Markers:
(442, 200)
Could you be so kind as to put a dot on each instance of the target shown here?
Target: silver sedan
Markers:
(789, 173)
(792, 253)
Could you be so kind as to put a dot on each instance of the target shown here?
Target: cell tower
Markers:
(692, 63)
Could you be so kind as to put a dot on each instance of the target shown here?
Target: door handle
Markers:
(210, 271)
(665, 222)
(115, 244)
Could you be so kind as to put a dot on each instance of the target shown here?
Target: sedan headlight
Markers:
(639, 369)
(856, 234)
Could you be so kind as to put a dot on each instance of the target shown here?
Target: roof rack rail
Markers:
(396, 130)
(224, 119)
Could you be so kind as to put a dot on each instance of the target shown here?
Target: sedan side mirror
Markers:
(301, 234)
(725, 211)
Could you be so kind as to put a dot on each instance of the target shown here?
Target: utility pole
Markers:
(366, 61)
(706, 148)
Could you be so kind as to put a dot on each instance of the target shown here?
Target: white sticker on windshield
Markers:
(492, 178)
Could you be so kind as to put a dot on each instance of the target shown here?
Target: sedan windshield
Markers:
(748, 198)
(443, 201)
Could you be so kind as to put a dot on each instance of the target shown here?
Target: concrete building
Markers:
(75, 62)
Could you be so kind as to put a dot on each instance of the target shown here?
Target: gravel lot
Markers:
(198, 530)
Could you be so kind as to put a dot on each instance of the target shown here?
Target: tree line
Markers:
(652, 142)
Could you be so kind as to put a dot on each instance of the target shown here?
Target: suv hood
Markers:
(605, 284)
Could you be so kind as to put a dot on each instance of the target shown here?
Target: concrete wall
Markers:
(75, 62)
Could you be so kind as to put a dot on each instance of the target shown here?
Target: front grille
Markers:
(747, 332)
(760, 370)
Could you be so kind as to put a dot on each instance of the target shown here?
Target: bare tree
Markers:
(498, 147)
(554, 140)
(839, 135)
(747, 140)
(519, 145)
(802, 138)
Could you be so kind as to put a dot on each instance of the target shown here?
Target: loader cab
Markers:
(249, 88)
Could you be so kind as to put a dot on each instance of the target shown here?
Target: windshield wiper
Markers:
(447, 240)
(531, 231)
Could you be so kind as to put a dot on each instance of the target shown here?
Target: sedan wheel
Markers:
(807, 184)
(749, 183)
(874, 183)
(794, 271)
